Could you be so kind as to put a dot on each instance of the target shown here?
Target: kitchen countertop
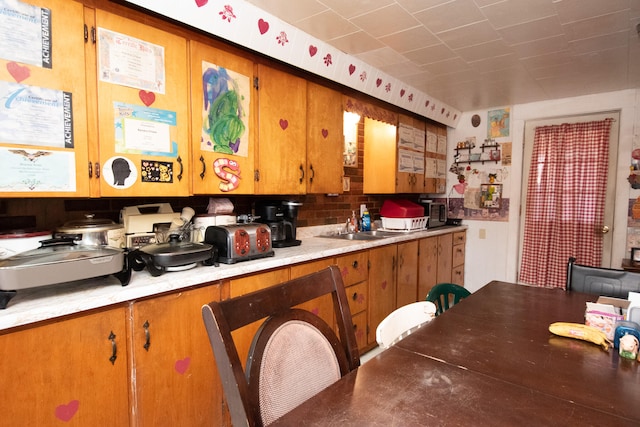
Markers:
(48, 302)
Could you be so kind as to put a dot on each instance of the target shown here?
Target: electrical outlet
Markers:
(482, 233)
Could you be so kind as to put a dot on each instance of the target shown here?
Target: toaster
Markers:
(240, 242)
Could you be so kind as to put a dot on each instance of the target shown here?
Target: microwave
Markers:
(437, 214)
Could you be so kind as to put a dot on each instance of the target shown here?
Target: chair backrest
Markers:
(446, 295)
(403, 321)
(601, 281)
(294, 355)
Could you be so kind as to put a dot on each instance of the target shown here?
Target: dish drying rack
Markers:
(404, 224)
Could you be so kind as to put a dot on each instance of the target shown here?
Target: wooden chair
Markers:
(404, 321)
(446, 295)
(294, 354)
(601, 281)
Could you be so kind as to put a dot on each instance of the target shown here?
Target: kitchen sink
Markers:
(363, 235)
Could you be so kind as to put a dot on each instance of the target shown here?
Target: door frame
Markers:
(529, 131)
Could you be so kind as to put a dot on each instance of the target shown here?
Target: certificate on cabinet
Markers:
(431, 168)
(405, 161)
(432, 142)
(128, 61)
(144, 130)
(25, 33)
(27, 170)
(31, 115)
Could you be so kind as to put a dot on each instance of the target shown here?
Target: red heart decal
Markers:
(201, 3)
(147, 98)
(378, 82)
(66, 412)
(442, 111)
(315, 311)
(345, 272)
(181, 366)
(312, 50)
(325, 133)
(401, 93)
(352, 69)
(263, 26)
(384, 284)
(455, 116)
(284, 124)
(18, 72)
(426, 104)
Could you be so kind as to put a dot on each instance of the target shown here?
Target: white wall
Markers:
(495, 256)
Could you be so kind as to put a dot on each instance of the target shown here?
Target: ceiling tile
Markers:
(548, 60)
(356, 43)
(541, 47)
(540, 28)
(495, 63)
(430, 54)
(410, 39)
(353, 8)
(577, 10)
(509, 13)
(289, 11)
(385, 21)
(594, 44)
(469, 35)
(601, 25)
(450, 15)
(446, 66)
(413, 6)
(327, 25)
(401, 69)
(381, 57)
(483, 51)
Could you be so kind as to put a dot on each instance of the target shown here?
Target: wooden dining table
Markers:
(490, 360)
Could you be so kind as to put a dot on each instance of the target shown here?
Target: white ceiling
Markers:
(476, 54)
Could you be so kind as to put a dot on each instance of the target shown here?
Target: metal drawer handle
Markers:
(355, 296)
(114, 348)
(355, 264)
(147, 336)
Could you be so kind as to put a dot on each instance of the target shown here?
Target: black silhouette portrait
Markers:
(121, 170)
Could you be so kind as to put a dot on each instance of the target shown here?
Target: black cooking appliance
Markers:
(282, 218)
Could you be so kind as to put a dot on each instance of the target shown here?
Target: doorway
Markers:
(605, 229)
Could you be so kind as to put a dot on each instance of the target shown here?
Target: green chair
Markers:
(445, 295)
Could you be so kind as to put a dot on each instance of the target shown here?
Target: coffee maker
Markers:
(281, 216)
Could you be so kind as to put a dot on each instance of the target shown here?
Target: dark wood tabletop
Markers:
(489, 360)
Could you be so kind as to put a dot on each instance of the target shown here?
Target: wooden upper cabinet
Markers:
(43, 129)
(282, 133)
(410, 164)
(324, 140)
(142, 109)
(380, 157)
(224, 121)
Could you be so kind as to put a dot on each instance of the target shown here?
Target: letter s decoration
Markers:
(229, 172)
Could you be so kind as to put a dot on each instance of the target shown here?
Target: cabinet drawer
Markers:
(353, 267)
(357, 296)
(360, 329)
(457, 275)
(459, 237)
(458, 255)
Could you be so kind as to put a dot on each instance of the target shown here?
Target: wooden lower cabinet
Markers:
(440, 260)
(407, 275)
(382, 287)
(176, 380)
(457, 272)
(70, 372)
(323, 306)
(355, 273)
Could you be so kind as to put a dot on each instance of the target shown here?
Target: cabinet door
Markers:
(71, 371)
(143, 109)
(173, 364)
(282, 132)
(223, 106)
(380, 161)
(353, 267)
(445, 258)
(427, 266)
(382, 286)
(407, 276)
(324, 140)
(323, 306)
(43, 129)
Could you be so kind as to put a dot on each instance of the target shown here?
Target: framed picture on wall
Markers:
(490, 196)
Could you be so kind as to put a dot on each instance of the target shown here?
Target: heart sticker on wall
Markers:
(263, 26)
(384, 284)
(66, 412)
(352, 69)
(402, 92)
(201, 3)
(284, 124)
(18, 72)
(312, 50)
(378, 82)
(325, 133)
(147, 98)
(181, 366)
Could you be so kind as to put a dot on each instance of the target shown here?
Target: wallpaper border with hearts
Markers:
(245, 24)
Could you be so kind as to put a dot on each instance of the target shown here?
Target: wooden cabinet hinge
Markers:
(256, 83)
(256, 175)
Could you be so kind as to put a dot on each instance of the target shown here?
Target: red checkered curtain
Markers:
(565, 200)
